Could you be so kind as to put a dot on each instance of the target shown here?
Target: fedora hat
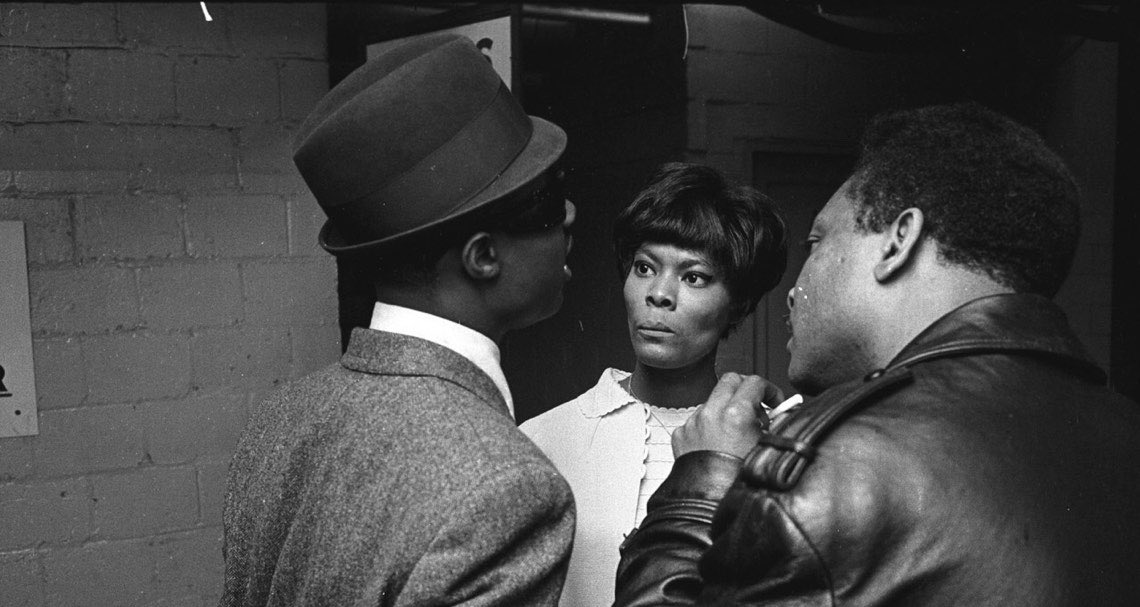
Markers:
(417, 138)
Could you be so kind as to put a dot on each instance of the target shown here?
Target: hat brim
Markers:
(546, 145)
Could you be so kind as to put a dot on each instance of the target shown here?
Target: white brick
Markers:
(128, 227)
(144, 502)
(55, 512)
(136, 366)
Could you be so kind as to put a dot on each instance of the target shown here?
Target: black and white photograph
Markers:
(630, 304)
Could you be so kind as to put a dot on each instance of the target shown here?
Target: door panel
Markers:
(799, 184)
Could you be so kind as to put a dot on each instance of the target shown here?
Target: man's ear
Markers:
(479, 257)
(900, 244)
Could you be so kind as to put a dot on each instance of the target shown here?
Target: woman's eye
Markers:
(696, 280)
(809, 244)
(641, 268)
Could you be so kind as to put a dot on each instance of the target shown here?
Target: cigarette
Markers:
(786, 406)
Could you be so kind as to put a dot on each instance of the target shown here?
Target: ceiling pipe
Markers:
(570, 13)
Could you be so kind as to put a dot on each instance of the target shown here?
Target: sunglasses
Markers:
(541, 210)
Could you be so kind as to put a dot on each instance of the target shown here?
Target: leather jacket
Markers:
(988, 464)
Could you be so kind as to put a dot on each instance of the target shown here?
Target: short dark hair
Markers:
(695, 207)
(994, 197)
(412, 264)
(536, 206)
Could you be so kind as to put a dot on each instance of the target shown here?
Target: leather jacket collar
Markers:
(1002, 323)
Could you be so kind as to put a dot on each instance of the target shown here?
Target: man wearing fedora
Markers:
(397, 476)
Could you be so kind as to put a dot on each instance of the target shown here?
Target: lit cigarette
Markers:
(786, 406)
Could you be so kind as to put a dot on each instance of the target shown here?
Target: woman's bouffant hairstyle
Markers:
(695, 207)
(994, 197)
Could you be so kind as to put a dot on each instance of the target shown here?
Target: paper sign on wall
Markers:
(17, 377)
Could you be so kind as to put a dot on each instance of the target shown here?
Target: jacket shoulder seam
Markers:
(781, 457)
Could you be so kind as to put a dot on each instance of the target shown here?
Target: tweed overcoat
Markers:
(395, 477)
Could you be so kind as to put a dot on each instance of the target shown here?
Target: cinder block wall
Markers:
(755, 84)
(174, 279)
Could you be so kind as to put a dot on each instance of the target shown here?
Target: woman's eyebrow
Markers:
(646, 254)
(695, 261)
(699, 259)
(689, 260)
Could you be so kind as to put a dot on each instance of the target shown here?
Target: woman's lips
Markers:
(654, 330)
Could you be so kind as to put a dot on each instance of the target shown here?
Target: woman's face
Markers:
(677, 305)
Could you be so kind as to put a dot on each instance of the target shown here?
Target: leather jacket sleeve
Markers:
(659, 559)
(752, 550)
(726, 531)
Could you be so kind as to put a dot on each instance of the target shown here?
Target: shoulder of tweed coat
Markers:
(395, 477)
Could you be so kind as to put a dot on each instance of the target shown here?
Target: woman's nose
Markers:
(660, 295)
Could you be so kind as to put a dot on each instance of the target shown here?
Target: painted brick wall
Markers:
(174, 279)
(755, 84)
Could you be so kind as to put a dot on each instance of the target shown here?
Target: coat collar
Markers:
(1003, 323)
(383, 353)
(467, 342)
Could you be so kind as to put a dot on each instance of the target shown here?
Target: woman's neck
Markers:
(674, 388)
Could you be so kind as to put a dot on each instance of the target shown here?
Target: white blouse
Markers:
(614, 454)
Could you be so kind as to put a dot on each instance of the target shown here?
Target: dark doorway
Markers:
(800, 184)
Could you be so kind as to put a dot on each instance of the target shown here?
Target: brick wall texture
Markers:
(174, 278)
(756, 85)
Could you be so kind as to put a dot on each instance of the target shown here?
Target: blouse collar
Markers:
(607, 396)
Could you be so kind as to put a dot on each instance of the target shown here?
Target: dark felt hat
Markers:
(416, 138)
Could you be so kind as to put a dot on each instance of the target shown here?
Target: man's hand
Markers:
(732, 419)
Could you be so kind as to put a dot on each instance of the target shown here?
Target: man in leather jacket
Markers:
(958, 446)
